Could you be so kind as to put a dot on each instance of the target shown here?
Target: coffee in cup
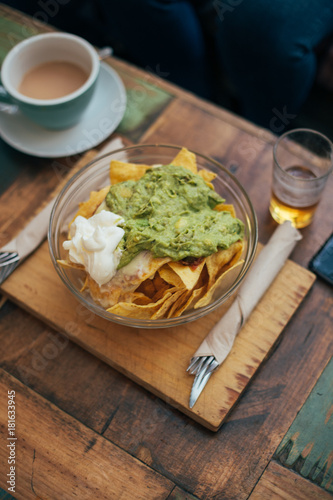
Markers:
(51, 78)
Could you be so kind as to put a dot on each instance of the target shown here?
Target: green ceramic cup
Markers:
(60, 113)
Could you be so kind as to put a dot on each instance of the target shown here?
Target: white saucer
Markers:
(100, 119)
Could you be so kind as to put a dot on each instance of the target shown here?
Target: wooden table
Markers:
(86, 431)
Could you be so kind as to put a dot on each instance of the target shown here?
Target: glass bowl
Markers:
(95, 175)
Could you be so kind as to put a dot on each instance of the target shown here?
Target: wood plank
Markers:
(179, 494)
(200, 462)
(308, 445)
(229, 463)
(31, 191)
(79, 463)
(157, 359)
(15, 27)
(145, 102)
(278, 482)
(53, 366)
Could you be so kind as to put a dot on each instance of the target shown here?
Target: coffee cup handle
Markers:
(6, 102)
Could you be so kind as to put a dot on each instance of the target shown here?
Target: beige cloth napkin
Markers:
(271, 259)
(36, 230)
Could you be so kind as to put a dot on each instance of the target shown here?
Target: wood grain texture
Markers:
(229, 461)
(178, 494)
(157, 359)
(308, 445)
(32, 190)
(145, 102)
(57, 457)
(16, 27)
(224, 465)
(278, 482)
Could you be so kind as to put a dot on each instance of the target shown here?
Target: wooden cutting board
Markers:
(157, 359)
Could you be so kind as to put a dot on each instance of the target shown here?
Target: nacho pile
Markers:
(155, 286)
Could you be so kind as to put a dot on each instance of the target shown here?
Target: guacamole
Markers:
(170, 211)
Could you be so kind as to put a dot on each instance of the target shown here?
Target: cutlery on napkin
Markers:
(14, 252)
(218, 343)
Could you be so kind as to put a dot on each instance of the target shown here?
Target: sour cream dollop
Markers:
(94, 244)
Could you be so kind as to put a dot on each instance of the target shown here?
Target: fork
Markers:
(202, 367)
(8, 262)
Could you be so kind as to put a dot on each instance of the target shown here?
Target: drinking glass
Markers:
(302, 162)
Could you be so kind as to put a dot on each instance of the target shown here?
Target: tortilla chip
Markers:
(67, 264)
(124, 283)
(193, 299)
(170, 276)
(236, 257)
(140, 299)
(138, 311)
(161, 290)
(89, 207)
(161, 312)
(121, 171)
(207, 175)
(186, 159)
(223, 207)
(147, 288)
(190, 297)
(216, 261)
(189, 275)
(179, 305)
(176, 306)
(226, 279)
(85, 285)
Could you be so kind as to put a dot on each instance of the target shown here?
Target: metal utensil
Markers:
(202, 367)
(8, 262)
(217, 345)
(12, 254)
(105, 52)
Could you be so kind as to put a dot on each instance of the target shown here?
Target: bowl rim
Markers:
(163, 322)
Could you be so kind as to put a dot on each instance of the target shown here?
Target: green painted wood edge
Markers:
(144, 103)
(5, 496)
(13, 32)
(307, 448)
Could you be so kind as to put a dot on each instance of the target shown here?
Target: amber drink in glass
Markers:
(302, 162)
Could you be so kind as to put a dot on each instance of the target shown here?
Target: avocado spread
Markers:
(170, 211)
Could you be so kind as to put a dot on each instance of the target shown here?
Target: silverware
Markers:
(217, 345)
(8, 262)
(105, 52)
(202, 367)
(12, 254)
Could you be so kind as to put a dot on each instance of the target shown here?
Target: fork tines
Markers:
(8, 262)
